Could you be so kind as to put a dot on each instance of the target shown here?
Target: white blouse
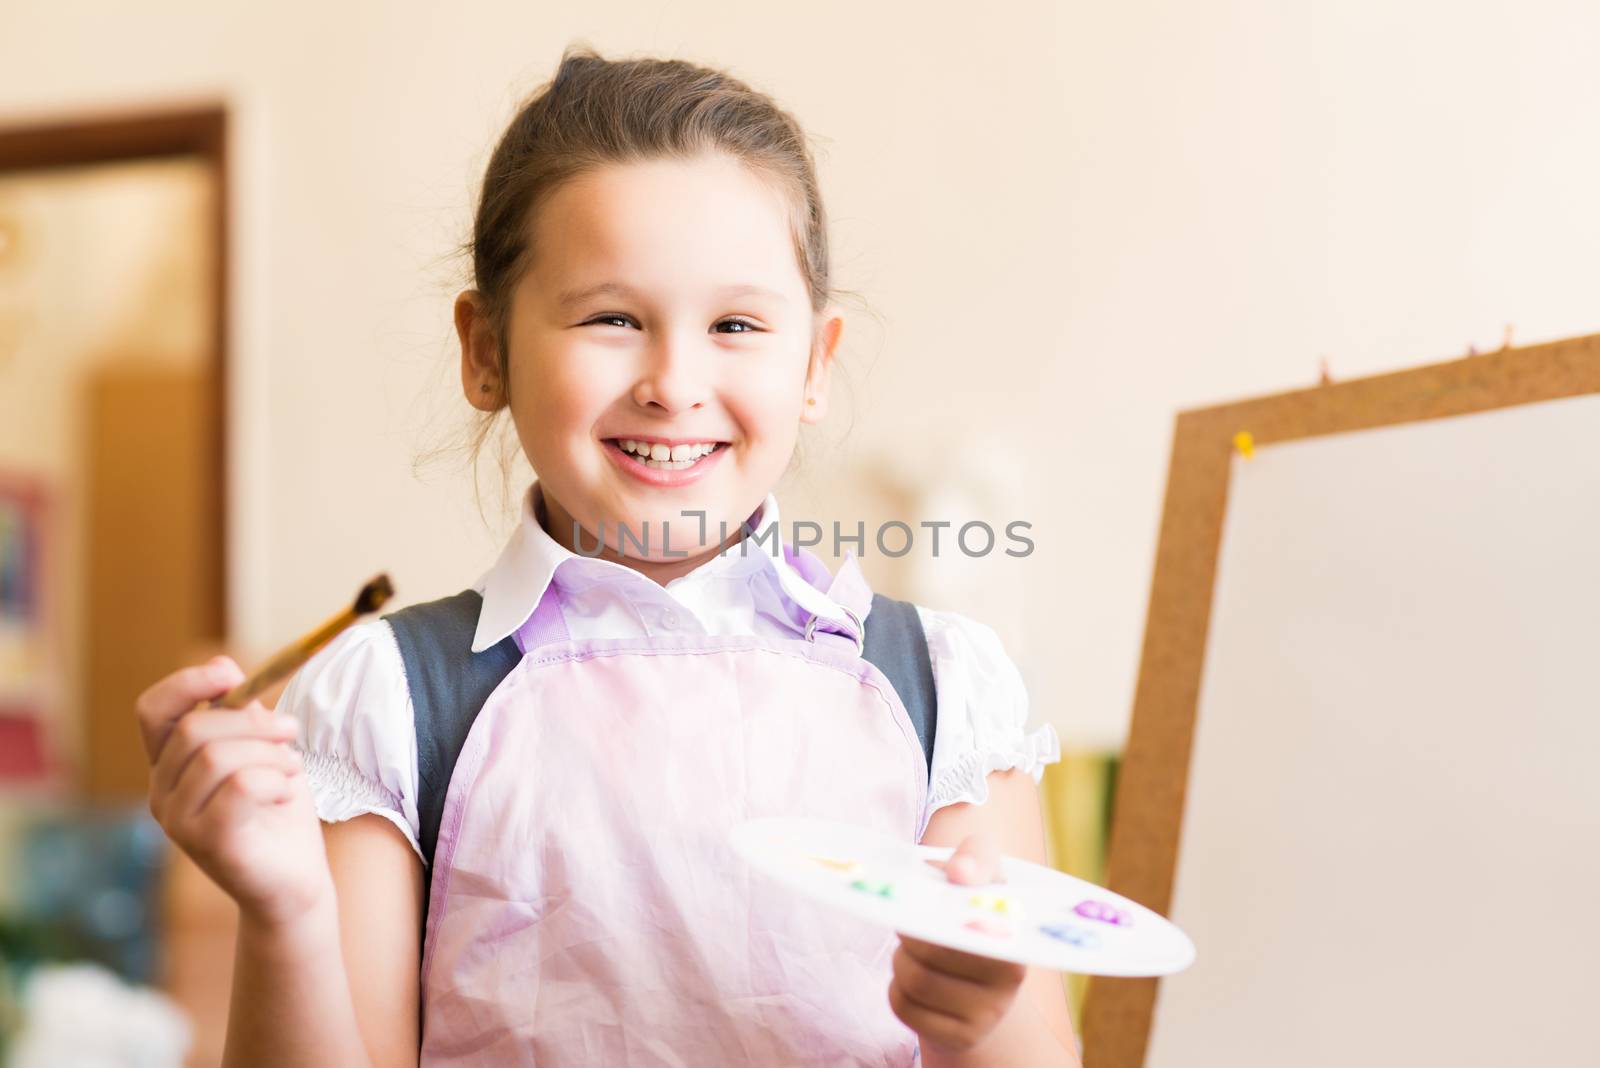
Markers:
(357, 738)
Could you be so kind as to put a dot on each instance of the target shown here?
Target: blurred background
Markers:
(228, 390)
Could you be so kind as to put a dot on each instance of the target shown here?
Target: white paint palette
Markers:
(1036, 916)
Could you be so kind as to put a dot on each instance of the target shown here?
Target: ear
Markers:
(814, 405)
(480, 353)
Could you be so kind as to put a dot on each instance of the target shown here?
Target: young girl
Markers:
(522, 793)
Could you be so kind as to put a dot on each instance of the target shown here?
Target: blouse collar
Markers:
(517, 582)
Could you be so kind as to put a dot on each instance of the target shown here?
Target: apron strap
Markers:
(546, 625)
(849, 588)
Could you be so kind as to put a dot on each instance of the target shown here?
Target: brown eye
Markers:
(623, 319)
(748, 326)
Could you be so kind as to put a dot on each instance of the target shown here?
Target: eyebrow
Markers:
(569, 297)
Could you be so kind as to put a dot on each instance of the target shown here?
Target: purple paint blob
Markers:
(1100, 912)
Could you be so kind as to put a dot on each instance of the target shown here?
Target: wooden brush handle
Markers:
(286, 662)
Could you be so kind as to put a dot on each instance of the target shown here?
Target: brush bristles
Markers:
(373, 595)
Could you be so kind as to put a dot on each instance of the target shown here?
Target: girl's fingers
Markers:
(217, 762)
(164, 703)
(937, 991)
(975, 861)
(198, 730)
(933, 1026)
(250, 787)
(983, 970)
(954, 1009)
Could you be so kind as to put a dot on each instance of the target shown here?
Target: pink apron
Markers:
(586, 907)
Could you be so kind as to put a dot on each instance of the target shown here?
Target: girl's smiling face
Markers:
(663, 314)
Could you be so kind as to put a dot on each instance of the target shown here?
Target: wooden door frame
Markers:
(141, 135)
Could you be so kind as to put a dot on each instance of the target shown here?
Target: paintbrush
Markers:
(289, 659)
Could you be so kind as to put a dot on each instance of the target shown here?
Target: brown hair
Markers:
(596, 112)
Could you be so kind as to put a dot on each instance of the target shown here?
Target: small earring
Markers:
(811, 400)
(484, 388)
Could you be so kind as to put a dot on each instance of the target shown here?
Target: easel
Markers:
(1149, 809)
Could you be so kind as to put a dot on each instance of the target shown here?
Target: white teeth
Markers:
(667, 457)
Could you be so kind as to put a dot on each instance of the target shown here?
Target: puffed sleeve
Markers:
(982, 721)
(356, 736)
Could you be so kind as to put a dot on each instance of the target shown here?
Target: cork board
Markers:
(1147, 834)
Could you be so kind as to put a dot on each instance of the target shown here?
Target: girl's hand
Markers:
(954, 1000)
(227, 788)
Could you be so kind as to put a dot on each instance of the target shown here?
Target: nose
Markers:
(674, 377)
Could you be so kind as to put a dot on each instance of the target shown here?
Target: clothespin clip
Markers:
(1245, 442)
(1325, 376)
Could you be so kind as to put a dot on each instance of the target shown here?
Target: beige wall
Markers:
(1072, 220)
